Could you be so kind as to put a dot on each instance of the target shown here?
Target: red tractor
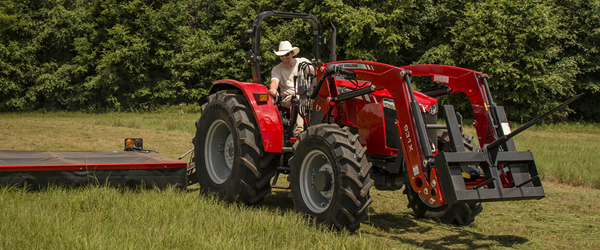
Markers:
(365, 126)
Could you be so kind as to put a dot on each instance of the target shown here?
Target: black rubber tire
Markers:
(248, 180)
(460, 213)
(350, 197)
(444, 138)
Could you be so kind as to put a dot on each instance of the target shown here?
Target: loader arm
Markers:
(438, 180)
(417, 153)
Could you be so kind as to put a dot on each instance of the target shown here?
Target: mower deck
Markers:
(115, 168)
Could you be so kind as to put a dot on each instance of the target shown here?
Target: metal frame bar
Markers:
(255, 33)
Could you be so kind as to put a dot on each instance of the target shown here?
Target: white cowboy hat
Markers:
(285, 47)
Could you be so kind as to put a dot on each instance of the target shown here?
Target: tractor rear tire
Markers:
(460, 213)
(330, 176)
(229, 156)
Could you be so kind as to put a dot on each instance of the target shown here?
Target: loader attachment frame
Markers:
(522, 183)
(525, 183)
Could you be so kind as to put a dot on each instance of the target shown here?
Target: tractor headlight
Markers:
(389, 103)
(433, 109)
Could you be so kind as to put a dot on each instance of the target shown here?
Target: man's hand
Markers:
(273, 88)
(273, 93)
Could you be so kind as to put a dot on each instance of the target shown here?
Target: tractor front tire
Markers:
(330, 176)
(461, 213)
(229, 156)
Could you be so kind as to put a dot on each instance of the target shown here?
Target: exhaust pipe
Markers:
(332, 54)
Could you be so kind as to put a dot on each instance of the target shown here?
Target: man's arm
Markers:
(273, 88)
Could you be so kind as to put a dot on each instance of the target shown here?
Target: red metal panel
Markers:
(266, 114)
(371, 125)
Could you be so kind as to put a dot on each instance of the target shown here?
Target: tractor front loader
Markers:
(365, 127)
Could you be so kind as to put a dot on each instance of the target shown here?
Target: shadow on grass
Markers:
(388, 222)
(466, 239)
(278, 200)
(397, 226)
(403, 227)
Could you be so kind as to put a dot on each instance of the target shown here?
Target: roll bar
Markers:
(254, 56)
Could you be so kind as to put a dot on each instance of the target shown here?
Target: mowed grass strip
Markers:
(100, 217)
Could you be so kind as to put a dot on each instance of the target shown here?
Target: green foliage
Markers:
(90, 55)
(582, 19)
(138, 54)
(521, 45)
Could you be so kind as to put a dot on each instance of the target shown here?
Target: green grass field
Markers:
(109, 218)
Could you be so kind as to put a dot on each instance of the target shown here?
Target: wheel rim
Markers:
(219, 151)
(316, 200)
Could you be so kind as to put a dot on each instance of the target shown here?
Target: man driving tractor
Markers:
(282, 77)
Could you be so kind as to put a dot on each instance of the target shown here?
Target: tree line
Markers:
(99, 55)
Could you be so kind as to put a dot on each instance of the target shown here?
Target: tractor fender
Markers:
(266, 114)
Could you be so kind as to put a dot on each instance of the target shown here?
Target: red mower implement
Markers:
(132, 167)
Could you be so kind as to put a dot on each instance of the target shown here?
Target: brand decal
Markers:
(362, 66)
(441, 79)
(408, 138)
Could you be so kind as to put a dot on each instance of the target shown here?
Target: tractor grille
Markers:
(392, 139)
